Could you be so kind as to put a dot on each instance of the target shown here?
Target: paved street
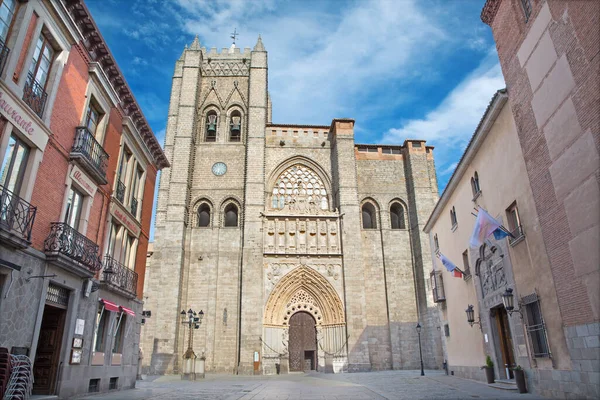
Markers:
(373, 385)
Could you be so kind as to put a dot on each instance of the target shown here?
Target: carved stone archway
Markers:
(304, 289)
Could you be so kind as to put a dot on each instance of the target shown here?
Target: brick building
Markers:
(545, 184)
(303, 249)
(79, 165)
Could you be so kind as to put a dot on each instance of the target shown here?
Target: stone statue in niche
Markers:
(331, 271)
(302, 226)
(322, 228)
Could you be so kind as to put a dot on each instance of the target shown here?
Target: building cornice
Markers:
(99, 52)
(490, 9)
(481, 132)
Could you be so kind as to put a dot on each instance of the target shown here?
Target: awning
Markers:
(109, 305)
(128, 311)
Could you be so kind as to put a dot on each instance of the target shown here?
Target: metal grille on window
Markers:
(57, 296)
(526, 8)
(536, 328)
(437, 287)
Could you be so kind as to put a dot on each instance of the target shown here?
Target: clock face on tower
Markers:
(219, 169)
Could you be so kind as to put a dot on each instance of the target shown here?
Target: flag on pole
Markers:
(501, 233)
(485, 224)
(457, 273)
(446, 262)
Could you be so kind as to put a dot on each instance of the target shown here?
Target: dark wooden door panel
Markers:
(303, 338)
(48, 350)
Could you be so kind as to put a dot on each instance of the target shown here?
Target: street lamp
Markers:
(418, 327)
(471, 317)
(193, 320)
(508, 298)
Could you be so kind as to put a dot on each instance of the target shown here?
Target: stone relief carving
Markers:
(300, 235)
(490, 268)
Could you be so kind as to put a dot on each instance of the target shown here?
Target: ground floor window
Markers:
(100, 333)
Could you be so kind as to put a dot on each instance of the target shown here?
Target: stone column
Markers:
(168, 258)
(346, 198)
(251, 313)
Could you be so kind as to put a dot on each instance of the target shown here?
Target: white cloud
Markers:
(449, 169)
(455, 119)
(324, 61)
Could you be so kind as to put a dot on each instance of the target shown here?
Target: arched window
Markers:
(211, 126)
(231, 215)
(301, 189)
(204, 215)
(397, 216)
(453, 216)
(369, 218)
(235, 127)
(475, 184)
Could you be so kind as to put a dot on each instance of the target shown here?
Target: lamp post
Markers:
(193, 320)
(508, 298)
(420, 351)
(471, 317)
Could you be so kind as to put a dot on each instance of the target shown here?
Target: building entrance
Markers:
(506, 356)
(303, 342)
(47, 356)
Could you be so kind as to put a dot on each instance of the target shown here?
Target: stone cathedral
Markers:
(303, 249)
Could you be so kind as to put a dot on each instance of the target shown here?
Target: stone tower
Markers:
(303, 249)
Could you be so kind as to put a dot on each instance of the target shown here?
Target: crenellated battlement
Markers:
(228, 53)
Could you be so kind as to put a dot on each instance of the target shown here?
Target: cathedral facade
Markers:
(303, 249)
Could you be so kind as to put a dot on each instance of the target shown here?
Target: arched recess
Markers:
(313, 170)
(236, 116)
(194, 213)
(402, 214)
(203, 123)
(369, 207)
(227, 204)
(304, 289)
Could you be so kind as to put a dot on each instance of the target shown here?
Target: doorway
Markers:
(303, 342)
(506, 357)
(47, 356)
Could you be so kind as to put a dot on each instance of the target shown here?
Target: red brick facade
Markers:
(573, 30)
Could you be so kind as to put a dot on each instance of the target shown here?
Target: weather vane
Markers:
(234, 35)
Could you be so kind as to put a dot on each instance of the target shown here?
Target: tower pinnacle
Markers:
(259, 44)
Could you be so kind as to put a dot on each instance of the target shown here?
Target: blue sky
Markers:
(419, 69)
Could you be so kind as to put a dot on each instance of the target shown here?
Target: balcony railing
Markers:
(121, 191)
(34, 95)
(91, 154)
(16, 215)
(121, 276)
(66, 241)
(518, 235)
(134, 206)
(4, 52)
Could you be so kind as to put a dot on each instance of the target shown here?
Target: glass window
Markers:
(74, 206)
(118, 333)
(92, 118)
(537, 329)
(100, 334)
(7, 12)
(14, 164)
(467, 269)
(453, 216)
(42, 60)
(231, 215)
(204, 215)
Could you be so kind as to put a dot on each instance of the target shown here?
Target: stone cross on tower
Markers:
(234, 35)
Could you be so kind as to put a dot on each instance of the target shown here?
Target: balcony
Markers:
(90, 155)
(121, 191)
(518, 236)
(122, 279)
(134, 206)
(4, 52)
(34, 95)
(16, 218)
(437, 287)
(72, 251)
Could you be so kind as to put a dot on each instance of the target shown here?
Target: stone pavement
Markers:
(356, 386)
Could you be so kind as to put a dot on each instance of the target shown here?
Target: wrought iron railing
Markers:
(34, 95)
(121, 191)
(517, 235)
(134, 206)
(119, 275)
(65, 240)
(88, 146)
(4, 52)
(16, 215)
